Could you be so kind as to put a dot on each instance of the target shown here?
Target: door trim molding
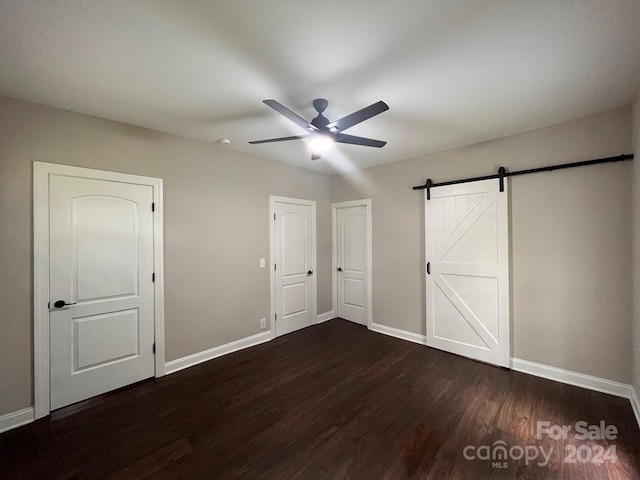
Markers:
(41, 173)
(273, 199)
(334, 255)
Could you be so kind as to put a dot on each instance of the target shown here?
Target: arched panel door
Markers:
(101, 316)
(293, 267)
(351, 258)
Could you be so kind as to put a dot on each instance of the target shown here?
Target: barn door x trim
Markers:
(41, 175)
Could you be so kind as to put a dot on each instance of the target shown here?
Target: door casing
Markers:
(273, 199)
(41, 173)
(334, 255)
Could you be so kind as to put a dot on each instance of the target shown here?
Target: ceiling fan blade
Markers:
(353, 140)
(294, 117)
(359, 116)
(315, 156)
(281, 139)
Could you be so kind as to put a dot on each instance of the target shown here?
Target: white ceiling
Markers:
(454, 72)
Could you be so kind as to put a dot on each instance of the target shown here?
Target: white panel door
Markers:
(467, 284)
(351, 262)
(101, 264)
(293, 267)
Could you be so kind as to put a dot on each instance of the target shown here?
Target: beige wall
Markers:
(571, 240)
(571, 234)
(216, 217)
(636, 246)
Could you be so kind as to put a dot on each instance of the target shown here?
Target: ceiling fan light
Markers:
(321, 143)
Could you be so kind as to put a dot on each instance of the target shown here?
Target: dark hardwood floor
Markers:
(329, 402)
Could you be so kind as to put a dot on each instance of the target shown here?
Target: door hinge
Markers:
(153, 206)
(48, 304)
(154, 348)
(428, 268)
(276, 317)
(275, 266)
(274, 216)
(153, 277)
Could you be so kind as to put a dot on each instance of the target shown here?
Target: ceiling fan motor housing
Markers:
(321, 122)
(320, 104)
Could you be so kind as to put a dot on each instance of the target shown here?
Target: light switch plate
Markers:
(262, 263)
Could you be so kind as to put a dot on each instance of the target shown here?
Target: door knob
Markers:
(310, 272)
(61, 303)
(339, 269)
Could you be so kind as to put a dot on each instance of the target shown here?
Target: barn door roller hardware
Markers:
(502, 173)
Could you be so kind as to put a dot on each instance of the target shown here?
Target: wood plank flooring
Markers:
(333, 401)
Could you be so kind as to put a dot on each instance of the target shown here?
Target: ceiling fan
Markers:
(323, 133)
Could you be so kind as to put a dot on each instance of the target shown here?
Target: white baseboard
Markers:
(635, 404)
(16, 419)
(402, 334)
(573, 378)
(580, 380)
(323, 317)
(539, 370)
(191, 360)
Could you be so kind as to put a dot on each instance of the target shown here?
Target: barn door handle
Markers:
(428, 268)
(62, 303)
(310, 272)
(339, 269)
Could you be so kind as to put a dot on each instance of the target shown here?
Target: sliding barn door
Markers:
(467, 254)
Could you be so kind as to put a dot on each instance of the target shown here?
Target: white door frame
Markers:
(273, 199)
(334, 254)
(41, 173)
